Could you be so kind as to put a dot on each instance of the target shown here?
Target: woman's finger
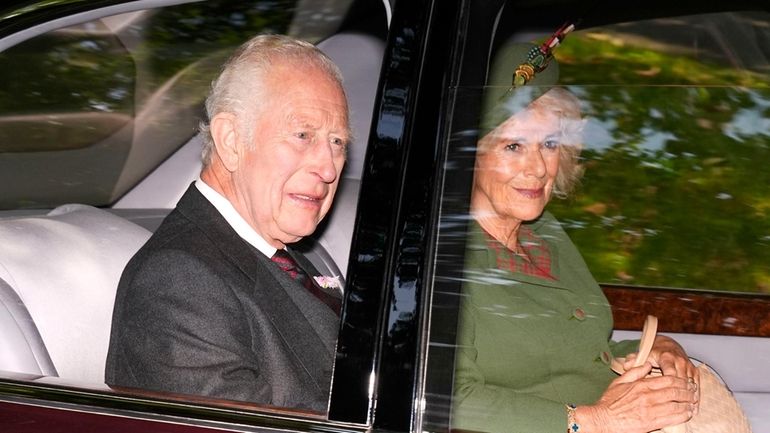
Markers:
(668, 414)
(635, 373)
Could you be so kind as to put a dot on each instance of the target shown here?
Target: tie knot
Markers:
(285, 262)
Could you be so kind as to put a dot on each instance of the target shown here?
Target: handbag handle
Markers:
(645, 345)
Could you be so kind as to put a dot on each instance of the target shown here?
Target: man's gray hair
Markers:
(238, 88)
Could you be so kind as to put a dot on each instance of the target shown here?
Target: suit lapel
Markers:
(309, 347)
(291, 312)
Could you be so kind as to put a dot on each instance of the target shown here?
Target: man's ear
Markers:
(224, 131)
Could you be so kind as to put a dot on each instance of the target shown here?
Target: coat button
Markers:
(579, 314)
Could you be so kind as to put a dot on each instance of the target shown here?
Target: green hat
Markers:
(505, 93)
(521, 73)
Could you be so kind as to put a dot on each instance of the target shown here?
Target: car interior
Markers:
(59, 269)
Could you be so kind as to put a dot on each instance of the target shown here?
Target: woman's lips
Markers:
(531, 193)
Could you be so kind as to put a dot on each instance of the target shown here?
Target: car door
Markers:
(670, 214)
(101, 103)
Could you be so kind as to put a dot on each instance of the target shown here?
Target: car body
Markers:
(418, 68)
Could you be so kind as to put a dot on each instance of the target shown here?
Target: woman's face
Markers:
(516, 166)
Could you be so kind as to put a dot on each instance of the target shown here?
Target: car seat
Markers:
(21, 348)
(59, 274)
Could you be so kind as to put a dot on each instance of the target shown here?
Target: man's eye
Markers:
(302, 135)
(512, 146)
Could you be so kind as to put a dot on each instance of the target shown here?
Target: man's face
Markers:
(286, 180)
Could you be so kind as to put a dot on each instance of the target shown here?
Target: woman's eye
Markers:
(302, 135)
(512, 146)
(551, 144)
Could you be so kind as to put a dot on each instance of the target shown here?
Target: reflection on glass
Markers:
(661, 158)
(88, 110)
(679, 198)
(64, 90)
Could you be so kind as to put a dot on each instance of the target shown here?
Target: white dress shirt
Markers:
(235, 219)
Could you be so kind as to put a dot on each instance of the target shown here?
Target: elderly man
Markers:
(201, 308)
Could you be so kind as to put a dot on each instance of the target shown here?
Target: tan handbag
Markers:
(719, 412)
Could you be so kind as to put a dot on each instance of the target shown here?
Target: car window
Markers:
(87, 111)
(675, 135)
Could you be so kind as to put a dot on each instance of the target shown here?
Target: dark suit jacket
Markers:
(200, 311)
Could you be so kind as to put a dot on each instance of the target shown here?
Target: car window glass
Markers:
(88, 110)
(676, 135)
(679, 125)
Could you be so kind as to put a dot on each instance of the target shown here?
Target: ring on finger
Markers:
(691, 382)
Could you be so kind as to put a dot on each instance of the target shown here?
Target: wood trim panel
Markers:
(690, 311)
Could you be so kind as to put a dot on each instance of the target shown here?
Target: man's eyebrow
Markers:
(302, 121)
(346, 133)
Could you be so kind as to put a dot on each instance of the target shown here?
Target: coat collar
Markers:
(480, 254)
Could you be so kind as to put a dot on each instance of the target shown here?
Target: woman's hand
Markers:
(672, 360)
(668, 356)
(634, 403)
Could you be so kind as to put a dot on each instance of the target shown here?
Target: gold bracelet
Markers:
(572, 425)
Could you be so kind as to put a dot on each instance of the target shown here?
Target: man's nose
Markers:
(323, 162)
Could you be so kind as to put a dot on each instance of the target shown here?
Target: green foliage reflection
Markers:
(676, 188)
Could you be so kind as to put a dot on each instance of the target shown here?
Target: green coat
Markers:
(527, 345)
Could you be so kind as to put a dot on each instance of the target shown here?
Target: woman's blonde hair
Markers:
(566, 105)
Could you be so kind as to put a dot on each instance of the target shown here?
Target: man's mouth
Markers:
(311, 200)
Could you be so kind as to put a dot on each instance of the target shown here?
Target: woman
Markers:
(534, 349)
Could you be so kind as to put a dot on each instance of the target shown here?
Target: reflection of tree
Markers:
(678, 194)
(84, 95)
(88, 68)
(66, 72)
(179, 36)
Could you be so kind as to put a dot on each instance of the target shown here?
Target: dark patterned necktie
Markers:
(287, 264)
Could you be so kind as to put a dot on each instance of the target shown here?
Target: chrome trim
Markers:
(175, 412)
(83, 17)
